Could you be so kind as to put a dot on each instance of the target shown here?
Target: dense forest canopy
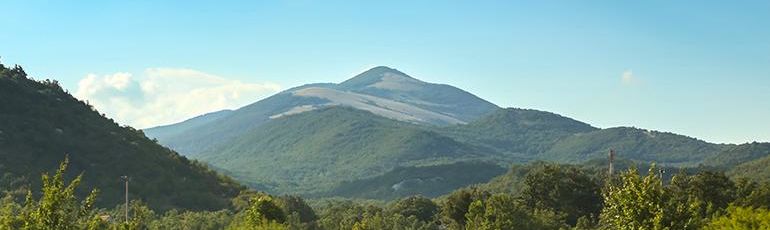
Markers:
(550, 196)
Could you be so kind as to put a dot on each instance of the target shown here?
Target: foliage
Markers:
(295, 205)
(339, 215)
(57, 208)
(740, 218)
(752, 194)
(263, 213)
(418, 206)
(630, 202)
(564, 189)
(140, 216)
(757, 170)
(203, 220)
(456, 205)
(714, 188)
(395, 221)
(643, 203)
(503, 211)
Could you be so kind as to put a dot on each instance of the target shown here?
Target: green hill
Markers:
(314, 151)
(40, 124)
(733, 155)
(633, 144)
(757, 170)
(521, 132)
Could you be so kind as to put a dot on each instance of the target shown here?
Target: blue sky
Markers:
(699, 68)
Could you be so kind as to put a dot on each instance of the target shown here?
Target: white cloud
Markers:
(118, 81)
(166, 95)
(628, 77)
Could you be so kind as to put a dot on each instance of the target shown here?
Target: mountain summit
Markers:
(383, 77)
(383, 91)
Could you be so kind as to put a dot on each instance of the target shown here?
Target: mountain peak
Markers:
(377, 75)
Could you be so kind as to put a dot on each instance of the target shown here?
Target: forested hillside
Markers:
(634, 144)
(312, 152)
(382, 124)
(41, 124)
(758, 170)
(540, 196)
(520, 132)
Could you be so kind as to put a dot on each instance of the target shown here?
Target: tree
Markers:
(714, 188)
(393, 221)
(565, 189)
(295, 205)
(502, 211)
(642, 203)
(752, 194)
(636, 204)
(140, 216)
(9, 212)
(58, 208)
(204, 220)
(418, 206)
(339, 215)
(456, 205)
(263, 213)
(739, 218)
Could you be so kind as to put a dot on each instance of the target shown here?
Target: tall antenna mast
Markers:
(125, 178)
(611, 159)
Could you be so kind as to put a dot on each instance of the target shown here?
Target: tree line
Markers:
(552, 197)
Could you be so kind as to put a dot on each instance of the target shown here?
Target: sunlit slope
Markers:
(313, 151)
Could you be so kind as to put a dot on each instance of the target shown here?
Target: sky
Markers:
(697, 68)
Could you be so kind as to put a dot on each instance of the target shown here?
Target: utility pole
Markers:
(611, 159)
(660, 174)
(125, 179)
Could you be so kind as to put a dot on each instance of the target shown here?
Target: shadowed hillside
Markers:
(40, 124)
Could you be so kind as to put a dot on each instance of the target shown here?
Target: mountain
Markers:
(177, 129)
(383, 134)
(331, 149)
(312, 152)
(392, 84)
(381, 90)
(41, 124)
